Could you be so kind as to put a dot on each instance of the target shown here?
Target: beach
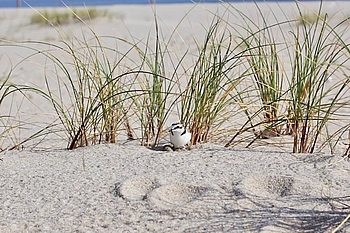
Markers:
(126, 187)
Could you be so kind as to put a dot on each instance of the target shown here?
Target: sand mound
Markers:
(261, 185)
(135, 188)
(174, 195)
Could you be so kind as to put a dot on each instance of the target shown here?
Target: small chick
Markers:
(179, 136)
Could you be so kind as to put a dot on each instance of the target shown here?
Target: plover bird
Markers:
(179, 136)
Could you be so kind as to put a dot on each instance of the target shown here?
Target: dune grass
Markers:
(316, 54)
(98, 93)
(153, 107)
(12, 122)
(8, 126)
(209, 90)
(266, 72)
(317, 58)
(250, 79)
(65, 16)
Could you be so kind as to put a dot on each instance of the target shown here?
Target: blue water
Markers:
(39, 3)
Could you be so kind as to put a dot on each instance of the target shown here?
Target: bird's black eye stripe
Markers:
(178, 127)
(183, 132)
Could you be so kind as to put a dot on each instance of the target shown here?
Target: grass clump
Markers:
(310, 18)
(267, 76)
(59, 17)
(209, 89)
(315, 103)
(96, 110)
(89, 94)
(294, 95)
(55, 17)
(159, 84)
(88, 13)
(261, 95)
(258, 79)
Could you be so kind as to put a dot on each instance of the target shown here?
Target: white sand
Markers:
(133, 189)
(129, 188)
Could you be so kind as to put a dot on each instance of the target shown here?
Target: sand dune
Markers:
(130, 188)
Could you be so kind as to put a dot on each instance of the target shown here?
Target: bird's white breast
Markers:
(179, 140)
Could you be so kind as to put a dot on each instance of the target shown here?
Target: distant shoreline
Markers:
(58, 3)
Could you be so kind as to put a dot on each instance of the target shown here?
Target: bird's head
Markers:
(176, 127)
